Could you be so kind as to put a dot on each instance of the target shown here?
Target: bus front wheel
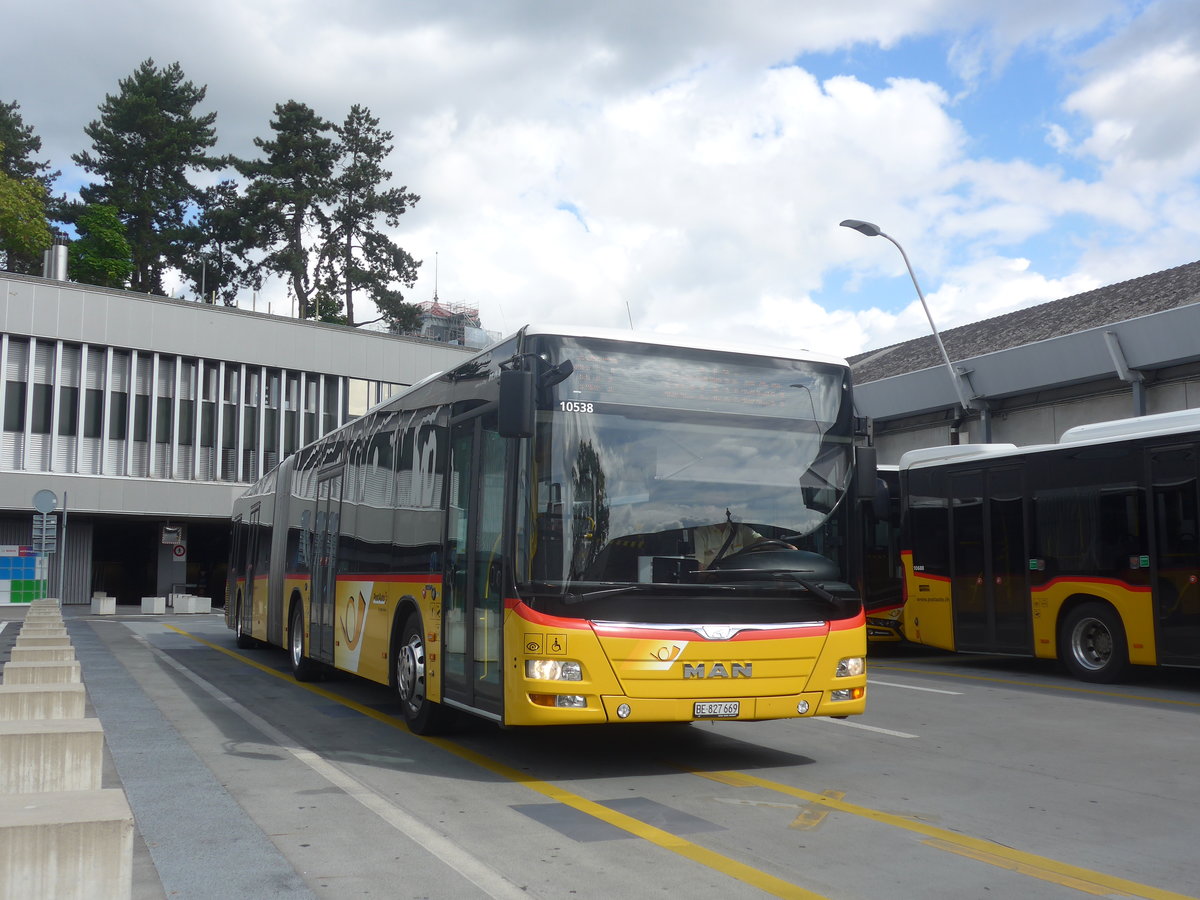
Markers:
(303, 668)
(1093, 644)
(422, 714)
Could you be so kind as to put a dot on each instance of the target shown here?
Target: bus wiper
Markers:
(617, 590)
(780, 575)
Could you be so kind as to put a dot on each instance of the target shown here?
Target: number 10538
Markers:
(576, 406)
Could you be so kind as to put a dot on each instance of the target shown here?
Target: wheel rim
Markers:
(297, 642)
(410, 673)
(1092, 643)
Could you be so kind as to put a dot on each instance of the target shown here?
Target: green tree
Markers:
(26, 194)
(101, 254)
(24, 232)
(356, 255)
(214, 261)
(146, 143)
(284, 205)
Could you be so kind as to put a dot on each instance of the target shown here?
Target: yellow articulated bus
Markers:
(1083, 551)
(574, 526)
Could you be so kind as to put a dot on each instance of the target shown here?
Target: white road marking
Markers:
(851, 724)
(912, 687)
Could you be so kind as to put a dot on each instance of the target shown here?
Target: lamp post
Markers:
(871, 230)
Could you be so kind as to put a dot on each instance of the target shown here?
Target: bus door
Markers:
(324, 571)
(1175, 564)
(989, 573)
(472, 603)
(250, 539)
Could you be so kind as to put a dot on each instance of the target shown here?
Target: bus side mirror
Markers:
(516, 404)
(865, 473)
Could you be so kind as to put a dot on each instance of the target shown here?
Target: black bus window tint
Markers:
(1065, 538)
(929, 524)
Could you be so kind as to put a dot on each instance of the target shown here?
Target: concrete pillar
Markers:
(154, 606)
(70, 845)
(104, 606)
(42, 701)
(42, 654)
(41, 672)
(39, 641)
(50, 755)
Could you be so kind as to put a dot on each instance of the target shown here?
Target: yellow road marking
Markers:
(1053, 687)
(811, 815)
(1088, 887)
(973, 846)
(734, 869)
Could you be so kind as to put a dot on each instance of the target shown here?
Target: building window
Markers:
(43, 408)
(118, 420)
(14, 406)
(93, 413)
(162, 424)
(141, 418)
(68, 411)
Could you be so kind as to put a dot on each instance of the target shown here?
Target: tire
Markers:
(1093, 645)
(422, 715)
(303, 668)
(243, 640)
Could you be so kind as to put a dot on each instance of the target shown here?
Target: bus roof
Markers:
(1140, 426)
(1177, 422)
(674, 340)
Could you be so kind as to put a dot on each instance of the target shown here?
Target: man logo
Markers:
(718, 670)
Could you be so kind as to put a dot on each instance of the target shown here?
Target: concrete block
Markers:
(65, 653)
(190, 603)
(104, 606)
(42, 701)
(43, 617)
(50, 755)
(38, 641)
(59, 672)
(154, 606)
(44, 631)
(70, 845)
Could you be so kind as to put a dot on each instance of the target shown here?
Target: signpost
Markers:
(45, 534)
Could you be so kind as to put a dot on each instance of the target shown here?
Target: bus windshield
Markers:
(653, 464)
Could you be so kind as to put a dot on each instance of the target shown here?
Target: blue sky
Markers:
(684, 163)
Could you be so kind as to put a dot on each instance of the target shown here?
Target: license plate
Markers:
(724, 710)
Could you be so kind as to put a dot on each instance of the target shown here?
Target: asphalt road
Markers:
(969, 777)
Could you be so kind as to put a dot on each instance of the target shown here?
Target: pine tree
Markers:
(284, 205)
(357, 256)
(146, 143)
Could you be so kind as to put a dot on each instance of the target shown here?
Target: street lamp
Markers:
(871, 230)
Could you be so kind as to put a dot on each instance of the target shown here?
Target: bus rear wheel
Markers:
(1093, 644)
(303, 668)
(408, 667)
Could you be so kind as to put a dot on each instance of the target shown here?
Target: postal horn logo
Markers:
(354, 617)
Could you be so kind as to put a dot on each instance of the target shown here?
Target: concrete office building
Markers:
(1119, 351)
(146, 416)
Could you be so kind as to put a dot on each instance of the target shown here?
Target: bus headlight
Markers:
(847, 694)
(553, 670)
(851, 665)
